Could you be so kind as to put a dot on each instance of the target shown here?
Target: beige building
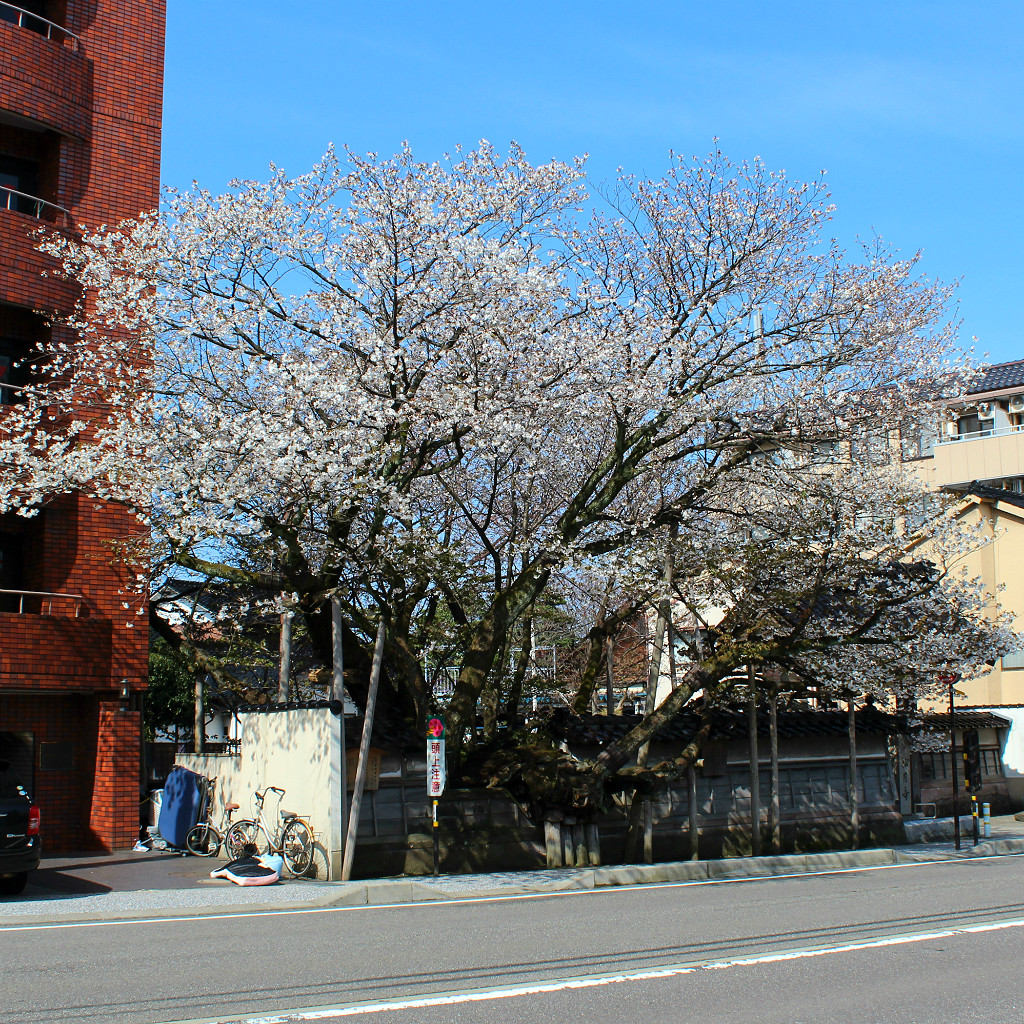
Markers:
(980, 453)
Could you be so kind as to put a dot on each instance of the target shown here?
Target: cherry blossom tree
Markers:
(446, 392)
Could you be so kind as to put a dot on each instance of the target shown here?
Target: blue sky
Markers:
(914, 108)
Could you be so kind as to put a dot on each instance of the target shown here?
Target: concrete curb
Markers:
(988, 848)
(392, 891)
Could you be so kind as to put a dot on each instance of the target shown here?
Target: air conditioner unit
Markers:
(951, 428)
(1017, 403)
(986, 410)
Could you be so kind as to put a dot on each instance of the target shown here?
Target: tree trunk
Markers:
(639, 807)
(515, 691)
(609, 676)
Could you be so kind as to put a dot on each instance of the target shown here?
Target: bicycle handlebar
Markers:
(270, 789)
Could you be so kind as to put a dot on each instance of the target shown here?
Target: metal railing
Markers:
(33, 206)
(34, 23)
(42, 598)
(10, 393)
(974, 435)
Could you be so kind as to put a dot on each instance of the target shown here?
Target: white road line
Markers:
(597, 980)
(249, 914)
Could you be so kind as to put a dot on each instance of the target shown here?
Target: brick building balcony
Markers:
(48, 642)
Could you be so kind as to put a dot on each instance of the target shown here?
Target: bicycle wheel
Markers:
(245, 838)
(297, 846)
(203, 840)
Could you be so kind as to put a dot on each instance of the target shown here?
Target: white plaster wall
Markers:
(297, 750)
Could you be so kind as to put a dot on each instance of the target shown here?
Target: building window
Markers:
(936, 765)
(56, 757)
(23, 17)
(13, 371)
(18, 748)
(19, 185)
(918, 437)
(970, 424)
(991, 763)
(22, 334)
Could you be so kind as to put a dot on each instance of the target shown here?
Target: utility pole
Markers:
(854, 804)
(755, 778)
(952, 757)
(775, 825)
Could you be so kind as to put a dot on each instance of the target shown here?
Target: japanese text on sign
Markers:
(435, 767)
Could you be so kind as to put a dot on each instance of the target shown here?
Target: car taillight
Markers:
(33, 821)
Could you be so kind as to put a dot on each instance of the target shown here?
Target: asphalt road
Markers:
(919, 944)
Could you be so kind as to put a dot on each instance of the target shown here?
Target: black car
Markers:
(19, 832)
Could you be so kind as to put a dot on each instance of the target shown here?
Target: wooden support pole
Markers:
(284, 667)
(338, 694)
(694, 815)
(579, 841)
(199, 734)
(364, 756)
(553, 843)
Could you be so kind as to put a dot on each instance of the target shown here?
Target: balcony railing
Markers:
(974, 435)
(33, 602)
(26, 19)
(41, 209)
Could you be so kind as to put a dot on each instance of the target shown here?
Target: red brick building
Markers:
(80, 105)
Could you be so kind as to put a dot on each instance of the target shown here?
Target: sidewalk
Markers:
(153, 884)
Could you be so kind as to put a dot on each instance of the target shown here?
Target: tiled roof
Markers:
(602, 729)
(965, 720)
(1002, 375)
(997, 494)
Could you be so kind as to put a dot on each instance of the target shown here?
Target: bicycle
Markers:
(205, 839)
(292, 837)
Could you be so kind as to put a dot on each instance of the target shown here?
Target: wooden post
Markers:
(854, 806)
(338, 694)
(579, 841)
(553, 843)
(284, 667)
(199, 734)
(568, 850)
(364, 754)
(694, 815)
(593, 836)
(776, 805)
(755, 778)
